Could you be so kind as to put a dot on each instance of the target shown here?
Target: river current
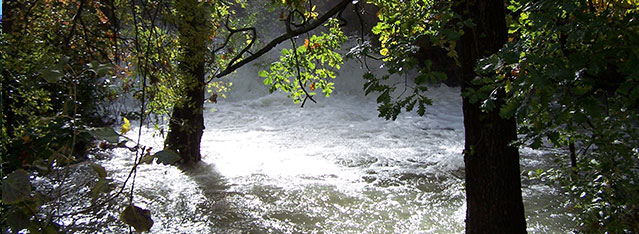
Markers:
(270, 166)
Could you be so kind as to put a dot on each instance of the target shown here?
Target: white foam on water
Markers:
(332, 167)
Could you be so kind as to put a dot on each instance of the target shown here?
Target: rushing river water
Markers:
(270, 166)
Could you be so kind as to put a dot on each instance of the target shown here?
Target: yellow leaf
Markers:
(384, 52)
(126, 126)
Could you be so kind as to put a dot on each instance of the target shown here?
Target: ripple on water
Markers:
(271, 167)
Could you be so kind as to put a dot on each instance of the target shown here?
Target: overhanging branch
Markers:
(288, 35)
(228, 39)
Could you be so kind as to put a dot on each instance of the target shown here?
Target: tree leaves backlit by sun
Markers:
(313, 64)
(602, 5)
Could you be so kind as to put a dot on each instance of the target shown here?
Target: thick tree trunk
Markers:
(186, 127)
(493, 186)
(187, 123)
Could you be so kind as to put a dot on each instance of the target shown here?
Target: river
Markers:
(270, 166)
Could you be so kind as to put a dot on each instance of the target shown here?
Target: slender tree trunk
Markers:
(493, 186)
(573, 155)
(187, 123)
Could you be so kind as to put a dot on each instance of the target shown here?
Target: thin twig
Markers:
(299, 75)
(293, 33)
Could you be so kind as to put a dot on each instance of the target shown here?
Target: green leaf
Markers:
(369, 76)
(508, 87)
(102, 186)
(421, 78)
(52, 75)
(378, 28)
(268, 81)
(106, 134)
(16, 187)
(99, 69)
(138, 218)
(384, 97)
(64, 60)
(421, 108)
(536, 143)
(509, 109)
(167, 157)
(451, 34)
(17, 219)
(440, 76)
(100, 170)
(147, 158)
(410, 104)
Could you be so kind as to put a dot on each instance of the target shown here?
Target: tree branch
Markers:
(299, 74)
(288, 35)
(228, 38)
(77, 16)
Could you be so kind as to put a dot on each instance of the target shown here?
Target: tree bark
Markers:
(493, 186)
(187, 122)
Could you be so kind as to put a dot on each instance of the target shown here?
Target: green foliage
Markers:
(100, 170)
(308, 67)
(390, 107)
(571, 64)
(605, 189)
(403, 26)
(217, 89)
(52, 80)
(569, 72)
(155, 57)
(53, 86)
(47, 150)
(62, 62)
(403, 29)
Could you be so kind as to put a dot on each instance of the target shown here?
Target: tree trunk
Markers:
(493, 186)
(187, 123)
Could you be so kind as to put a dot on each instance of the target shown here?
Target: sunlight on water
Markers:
(331, 167)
